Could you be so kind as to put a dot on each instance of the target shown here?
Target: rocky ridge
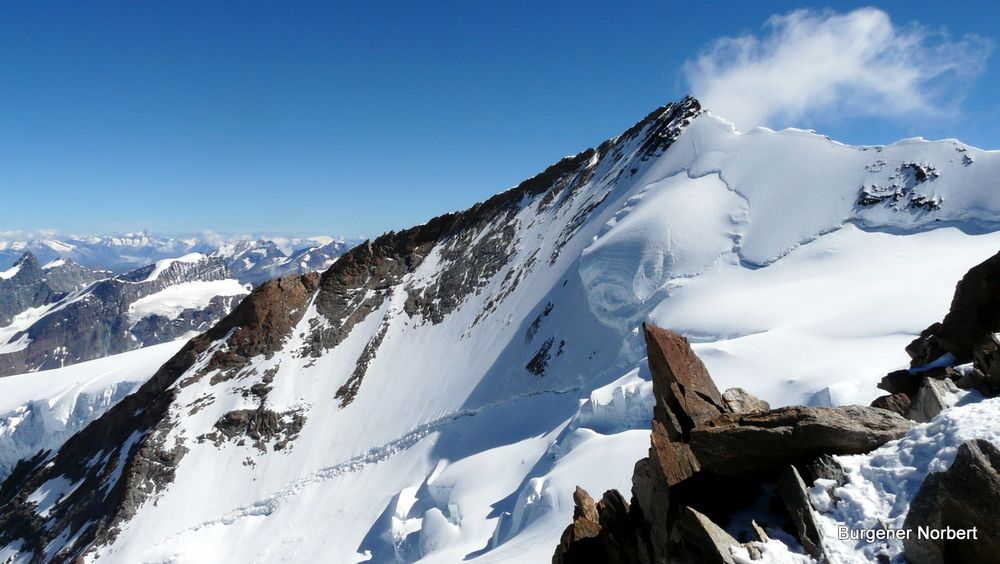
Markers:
(707, 462)
(470, 249)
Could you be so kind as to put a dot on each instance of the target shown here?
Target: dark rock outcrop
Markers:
(963, 497)
(974, 314)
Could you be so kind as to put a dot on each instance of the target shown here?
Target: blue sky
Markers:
(356, 118)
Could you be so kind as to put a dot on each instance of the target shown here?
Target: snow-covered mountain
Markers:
(437, 393)
(28, 284)
(252, 260)
(154, 304)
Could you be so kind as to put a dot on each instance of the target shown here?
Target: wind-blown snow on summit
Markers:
(437, 393)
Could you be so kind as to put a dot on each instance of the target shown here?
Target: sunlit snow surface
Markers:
(750, 244)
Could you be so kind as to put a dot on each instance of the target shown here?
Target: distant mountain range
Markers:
(253, 260)
(55, 312)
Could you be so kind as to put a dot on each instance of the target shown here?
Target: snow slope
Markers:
(40, 410)
(503, 366)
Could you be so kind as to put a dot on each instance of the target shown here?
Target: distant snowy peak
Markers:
(111, 252)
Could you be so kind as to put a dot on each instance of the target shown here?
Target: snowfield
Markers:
(173, 300)
(753, 245)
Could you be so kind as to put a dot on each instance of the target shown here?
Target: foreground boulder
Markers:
(964, 497)
(765, 442)
(709, 456)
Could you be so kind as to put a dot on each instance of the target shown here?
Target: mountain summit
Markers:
(438, 392)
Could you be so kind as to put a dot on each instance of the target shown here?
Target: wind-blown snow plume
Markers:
(811, 64)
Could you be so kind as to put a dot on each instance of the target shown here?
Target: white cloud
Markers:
(824, 65)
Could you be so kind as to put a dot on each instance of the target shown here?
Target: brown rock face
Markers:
(681, 383)
(974, 313)
(685, 396)
(763, 443)
(963, 497)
